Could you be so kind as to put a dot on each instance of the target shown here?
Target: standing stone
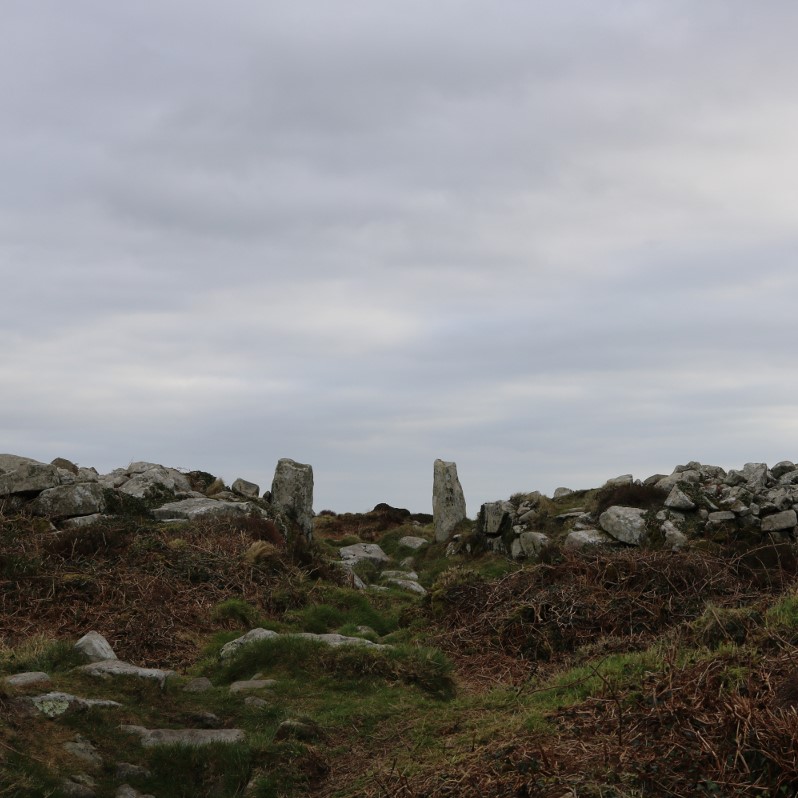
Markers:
(448, 501)
(292, 493)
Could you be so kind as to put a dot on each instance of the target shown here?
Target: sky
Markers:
(553, 242)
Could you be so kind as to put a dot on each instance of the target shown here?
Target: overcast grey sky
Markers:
(551, 241)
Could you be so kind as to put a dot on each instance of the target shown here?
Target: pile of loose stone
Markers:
(700, 499)
(70, 496)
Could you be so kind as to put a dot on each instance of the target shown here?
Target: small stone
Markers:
(252, 636)
(246, 685)
(151, 738)
(255, 703)
(408, 584)
(585, 538)
(561, 493)
(779, 521)
(82, 749)
(95, 647)
(626, 524)
(359, 552)
(721, 517)
(79, 786)
(199, 685)
(679, 500)
(25, 679)
(55, 704)
(116, 667)
(126, 771)
(247, 489)
(412, 542)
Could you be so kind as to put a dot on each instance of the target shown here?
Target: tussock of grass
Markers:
(425, 668)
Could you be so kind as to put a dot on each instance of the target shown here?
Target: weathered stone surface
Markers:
(561, 493)
(359, 552)
(624, 479)
(151, 738)
(666, 483)
(79, 785)
(29, 478)
(149, 479)
(191, 509)
(334, 639)
(95, 647)
(55, 704)
(11, 462)
(412, 542)
(495, 518)
(780, 521)
(84, 521)
(531, 544)
(782, 468)
(247, 489)
(292, 493)
(586, 538)
(255, 702)
(675, 539)
(65, 501)
(407, 584)
(115, 667)
(66, 465)
(199, 685)
(82, 749)
(721, 517)
(448, 501)
(25, 679)
(247, 685)
(400, 575)
(252, 636)
(679, 500)
(756, 476)
(626, 524)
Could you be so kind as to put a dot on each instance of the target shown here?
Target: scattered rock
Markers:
(252, 636)
(83, 750)
(529, 544)
(115, 667)
(55, 704)
(412, 542)
(679, 500)
(148, 480)
(448, 501)
(494, 519)
(721, 517)
(95, 647)
(675, 539)
(28, 477)
(359, 552)
(586, 538)
(561, 493)
(247, 489)
(190, 509)
(779, 521)
(79, 786)
(247, 685)
(199, 685)
(150, 738)
(407, 584)
(626, 524)
(255, 702)
(64, 501)
(26, 679)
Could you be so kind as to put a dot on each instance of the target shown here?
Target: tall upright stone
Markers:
(292, 493)
(448, 501)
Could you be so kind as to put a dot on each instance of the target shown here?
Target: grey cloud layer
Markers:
(551, 241)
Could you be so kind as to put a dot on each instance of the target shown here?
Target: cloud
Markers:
(553, 242)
